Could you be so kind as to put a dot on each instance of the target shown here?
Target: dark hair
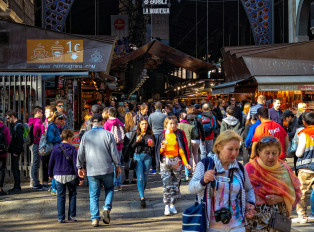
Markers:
(276, 99)
(169, 107)
(97, 117)
(254, 117)
(230, 110)
(308, 118)
(57, 115)
(149, 130)
(263, 112)
(59, 101)
(131, 107)
(112, 112)
(11, 113)
(183, 106)
(37, 108)
(67, 133)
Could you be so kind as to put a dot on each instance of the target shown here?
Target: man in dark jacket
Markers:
(237, 110)
(15, 148)
(275, 113)
(292, 120)
(36, 124)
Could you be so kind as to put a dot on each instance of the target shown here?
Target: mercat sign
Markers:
(156, 7)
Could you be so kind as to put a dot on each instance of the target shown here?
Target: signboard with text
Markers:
(36, 48)
(55, 51)
(156, 7)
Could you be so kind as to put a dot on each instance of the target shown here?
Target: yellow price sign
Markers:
(54, 51)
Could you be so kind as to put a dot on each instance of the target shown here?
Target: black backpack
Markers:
(3, 143)
(30, 136)
(195, 132)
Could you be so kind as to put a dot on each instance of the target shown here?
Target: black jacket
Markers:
(180, 140)
(238, 113)
(132, 145)
(17, 141)
(218, 113)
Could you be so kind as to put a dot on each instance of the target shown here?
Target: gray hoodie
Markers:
(230, 123)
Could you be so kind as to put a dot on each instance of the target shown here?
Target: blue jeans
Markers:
(35, 166)
(312, 201)
(61, 188)
(117, 181)
(144, 162)
(206, 148)
(94, 192)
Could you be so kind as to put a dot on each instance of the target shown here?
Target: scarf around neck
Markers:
(276, 180)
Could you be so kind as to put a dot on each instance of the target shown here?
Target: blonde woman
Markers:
(245, 112)
(229, 194)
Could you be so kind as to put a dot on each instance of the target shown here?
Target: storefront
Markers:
(276, 71)
(61, 64)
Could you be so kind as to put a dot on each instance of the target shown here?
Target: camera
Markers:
(223, 215)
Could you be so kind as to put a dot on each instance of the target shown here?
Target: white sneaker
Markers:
(299, 219)
(167, 210)
(311, 217)
(173, 209)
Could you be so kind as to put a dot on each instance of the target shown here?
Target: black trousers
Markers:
(15, 161)
(45, 163)
(3, 162)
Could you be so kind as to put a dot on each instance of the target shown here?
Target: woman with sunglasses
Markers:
(141, 147)
(53, 136)
(277, 189)
(226, 186)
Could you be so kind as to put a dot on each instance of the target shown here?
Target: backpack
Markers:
(3, 143)
(118, 133)
(195, 132)
(25, 130)
(207, 125)
(29, 135)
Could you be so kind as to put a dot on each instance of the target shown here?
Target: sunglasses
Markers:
(269, 139)
(60, 105)
(61, 117)
(232, 100)
(222, 179)
(40, 111)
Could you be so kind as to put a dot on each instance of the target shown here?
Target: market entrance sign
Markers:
(55, 51)
(156, 7)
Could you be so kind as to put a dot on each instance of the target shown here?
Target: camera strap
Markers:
(230, 176)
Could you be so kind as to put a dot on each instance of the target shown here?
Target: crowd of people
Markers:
(204, 140)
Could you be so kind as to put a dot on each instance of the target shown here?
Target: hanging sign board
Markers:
(156, 7)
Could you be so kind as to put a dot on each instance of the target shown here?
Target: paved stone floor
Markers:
(37, 211)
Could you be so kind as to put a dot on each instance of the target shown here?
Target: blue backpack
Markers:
(207, 125)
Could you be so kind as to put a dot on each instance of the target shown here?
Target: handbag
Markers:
(280, 223)
(194, 217)
(45, 148)
(131, 164)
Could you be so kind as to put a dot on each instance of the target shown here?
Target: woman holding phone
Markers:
(141, 147)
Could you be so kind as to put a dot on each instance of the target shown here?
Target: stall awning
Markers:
(167, 53)
(285, 83)
(228, 87)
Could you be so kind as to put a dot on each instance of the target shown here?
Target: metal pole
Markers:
(42, 13)
(196, 31)
(95, 18)
(207, 35)
(238, 22)
(223, 23)
(283, 21)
